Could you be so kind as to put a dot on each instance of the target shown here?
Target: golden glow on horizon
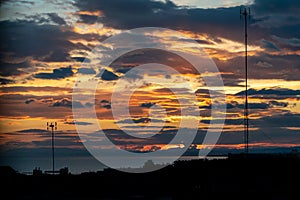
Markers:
(242, 146)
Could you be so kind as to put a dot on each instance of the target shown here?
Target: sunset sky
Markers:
(44, 42)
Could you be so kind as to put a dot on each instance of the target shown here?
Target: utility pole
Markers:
(245, 12)
(52, 126)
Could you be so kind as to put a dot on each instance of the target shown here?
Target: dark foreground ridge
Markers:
(238, 177)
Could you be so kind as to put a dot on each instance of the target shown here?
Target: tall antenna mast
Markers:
(245, 12)
(52, 126)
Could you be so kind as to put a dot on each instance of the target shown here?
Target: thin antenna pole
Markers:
(246, 13)
(53, 164)
(52, 126)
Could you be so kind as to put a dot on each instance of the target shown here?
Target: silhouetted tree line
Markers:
(238, 177)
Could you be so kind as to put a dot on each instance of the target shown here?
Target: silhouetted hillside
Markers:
(254, 176)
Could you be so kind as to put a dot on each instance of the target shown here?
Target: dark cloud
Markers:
(256, 106)
(154, 127)
(13, 105)
(270, 45)
(261, 105)
(278, 67)
(207, 21)
(65, 102)
(57, 74)
(272, 136)
(136, 144)
(119, 7)
(86, 71)
(81, 59)
(261, 66)
(83, 123)
(264, 64)
(241, 106)
(78, 123)
(88, 19)
(147, 105)
(288, 41)
(284, 120)
(62, 103)
(263, 7)
(27, 2)
(56, 19)
(107, 75)
(134, 13)
(28, 101)
(17, 2)
(14, 69)
(167, 76)
(104, 101)
(3, 1)
(278, 104)
(203, 42)
(206, 107)
(105, 104)
(63, 139)
(131, 143)
(227, 121)
(43, 42)
(88, 104)
(205, 93)
(39, 19)
(271, 92)
(149, 55)
(140, 120)
(276, 121)
(123, 70)
(276, 14)
(267, 19)
(218, 22)
(29, 89)
(4, 81)
(33, 131)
